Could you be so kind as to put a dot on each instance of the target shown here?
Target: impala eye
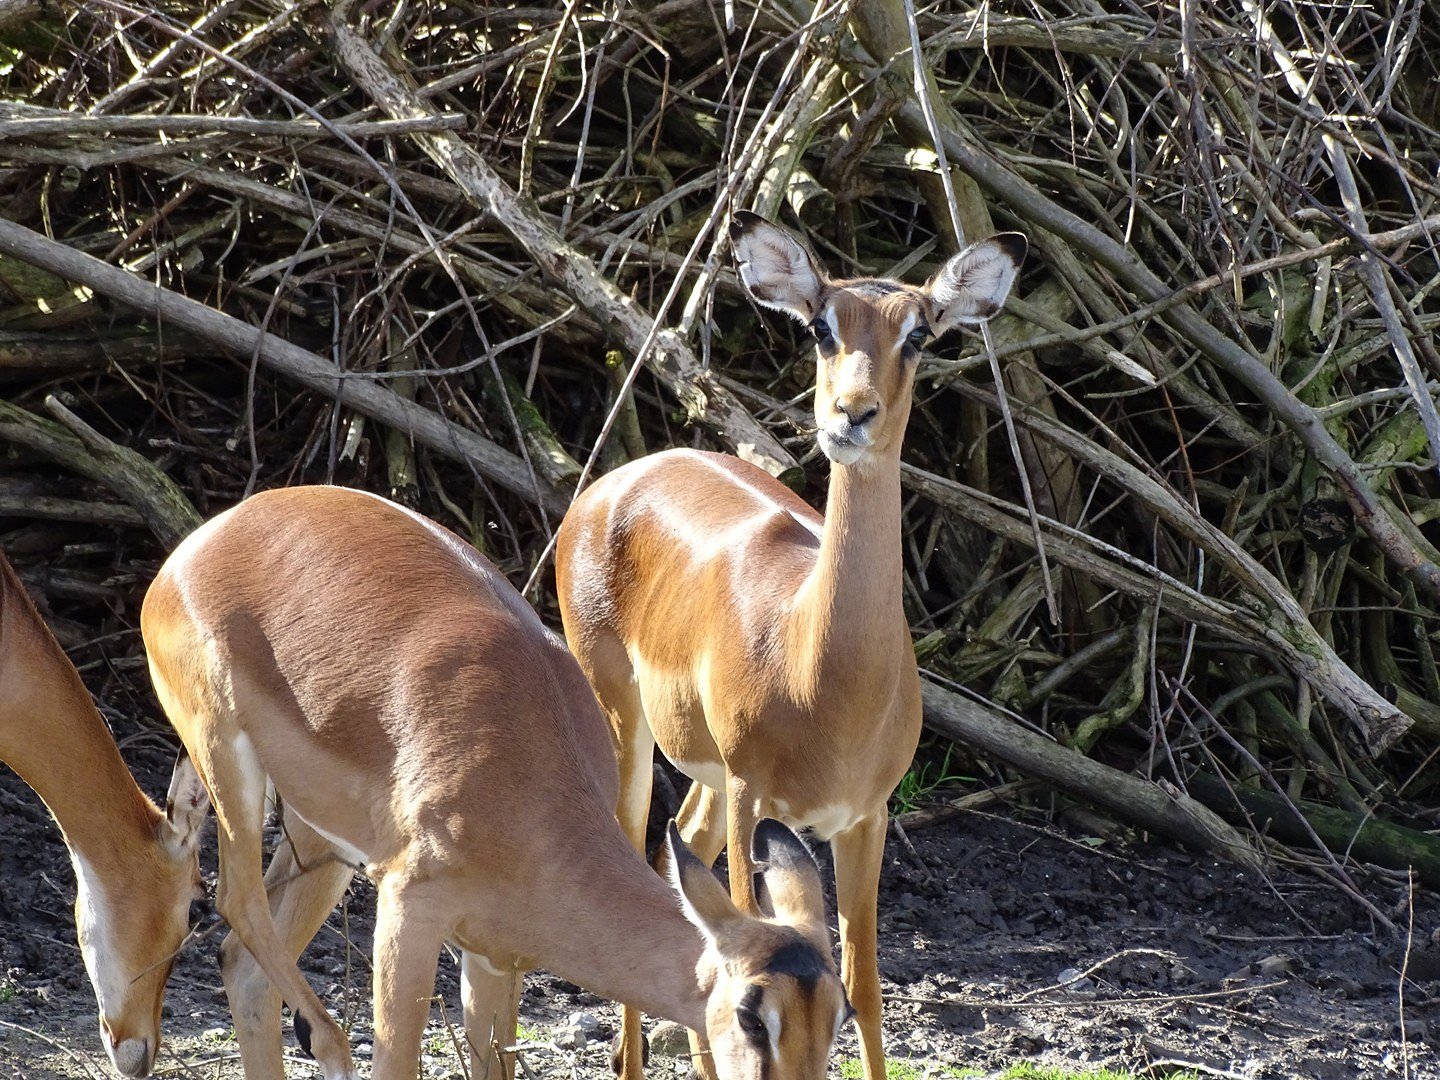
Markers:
(751, 1024)
(821, 329)
(918, 336)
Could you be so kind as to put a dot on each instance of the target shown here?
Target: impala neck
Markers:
(849, 612)
(637, 946)
(100, 809)
(52, 735)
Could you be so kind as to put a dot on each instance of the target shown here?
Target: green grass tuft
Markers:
(909, 1069)
(919, 784)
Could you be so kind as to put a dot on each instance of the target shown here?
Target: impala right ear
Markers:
(789, 878)
(972, 286)
(776, 267)
(704, 900)
(185, 807)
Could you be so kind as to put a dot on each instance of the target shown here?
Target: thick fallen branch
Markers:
(1140, 802)
(245, 341)
(18, 120)
(59, 352)
(1361, 836)
(162, 505)
(21, 499)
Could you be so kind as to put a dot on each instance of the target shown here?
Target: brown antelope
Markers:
(135, 867)
(419, 721)
(763, 647)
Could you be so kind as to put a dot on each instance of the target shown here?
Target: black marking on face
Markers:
(877, 287)
(799, 960)
(915, 340)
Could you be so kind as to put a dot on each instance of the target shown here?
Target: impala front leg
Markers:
(859, 853)
(635, 750)
(742, 813)
(407, 952)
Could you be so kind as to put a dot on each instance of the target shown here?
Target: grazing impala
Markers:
(135, 867)
(419, 721)
(762, 646)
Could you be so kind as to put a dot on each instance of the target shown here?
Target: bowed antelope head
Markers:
(776, 1003)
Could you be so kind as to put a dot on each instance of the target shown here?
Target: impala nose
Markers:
(857, 410)
(132, 1057)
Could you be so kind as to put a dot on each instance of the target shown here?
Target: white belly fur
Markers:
(351, 854)
(711, 774)
(825, 822)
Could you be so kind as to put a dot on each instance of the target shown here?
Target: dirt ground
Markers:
(1185, 962)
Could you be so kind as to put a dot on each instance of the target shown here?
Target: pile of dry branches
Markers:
(467, 253)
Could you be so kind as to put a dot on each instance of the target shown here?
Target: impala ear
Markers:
(775, 267)
(972, 286)
(185, 807)
(788, 881)
(705, 902)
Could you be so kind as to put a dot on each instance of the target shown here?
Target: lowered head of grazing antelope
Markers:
(869, 331)
(775, 1002)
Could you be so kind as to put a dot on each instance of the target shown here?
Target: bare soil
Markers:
(1186, 961)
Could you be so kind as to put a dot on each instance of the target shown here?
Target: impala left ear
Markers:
(972, 286)
(775, 267)
(704, 900)
(185, 807)
(788, 881)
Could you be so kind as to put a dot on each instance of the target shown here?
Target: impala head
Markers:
(131, 921)
(775, 1002)
(869, 331)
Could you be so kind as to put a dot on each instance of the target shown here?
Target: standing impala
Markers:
(135, 867)
(763, 647)
(419, 721)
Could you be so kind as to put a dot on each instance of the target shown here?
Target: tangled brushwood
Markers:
(471, 254)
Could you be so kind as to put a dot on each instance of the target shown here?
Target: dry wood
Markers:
(81, 449)
(1167, 812)
(19, 120)
(705, 400)
(305, 367)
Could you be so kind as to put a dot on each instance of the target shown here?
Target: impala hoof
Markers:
(302, 1035)
(616, 1065)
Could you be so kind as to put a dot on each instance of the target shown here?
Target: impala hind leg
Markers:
(236, 780)
(492, 1014)
(859, 853)
(305, 881)
(701, 822)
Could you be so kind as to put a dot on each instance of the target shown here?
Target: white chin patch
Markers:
(131, 1057)
(840, 451)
